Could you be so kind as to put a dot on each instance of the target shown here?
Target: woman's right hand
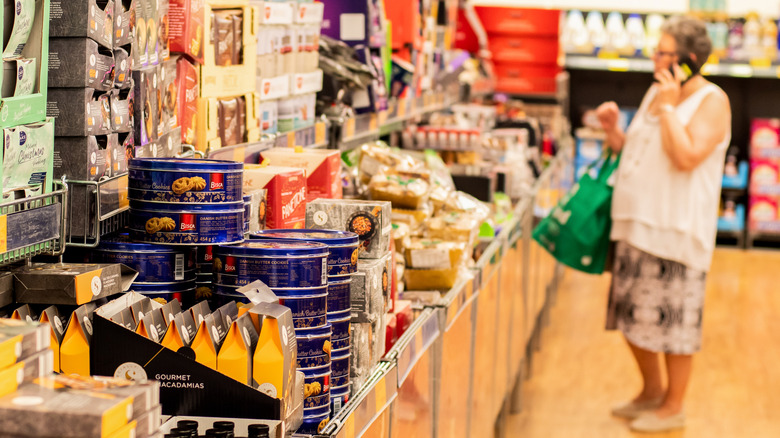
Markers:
(608, 114)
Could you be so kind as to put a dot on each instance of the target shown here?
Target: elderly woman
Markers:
(664, 212)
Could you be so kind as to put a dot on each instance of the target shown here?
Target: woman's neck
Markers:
(690, 87)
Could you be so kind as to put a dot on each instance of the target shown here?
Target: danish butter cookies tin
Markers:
(185, 180)
(154, 263)
(343, 246)
(277, 263)
(187, 224)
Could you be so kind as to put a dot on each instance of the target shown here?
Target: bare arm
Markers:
(608, 114)
(689, 147)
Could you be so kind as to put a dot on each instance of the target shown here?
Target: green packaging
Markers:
(28, 156)
(23, 15)
(26, 71)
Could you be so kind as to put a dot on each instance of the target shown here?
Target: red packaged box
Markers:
(186, 27)
(403, 316)
(286, 194)
(323, 169)
(187, 83)
(391, 332)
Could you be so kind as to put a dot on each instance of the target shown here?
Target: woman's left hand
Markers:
(669, 86)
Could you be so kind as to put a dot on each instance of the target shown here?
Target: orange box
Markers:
(518, 21)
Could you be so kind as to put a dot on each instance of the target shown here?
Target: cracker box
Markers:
(70, 283)
(80, 63)
(51, 316)
(369, 219)
(79, 112)
(323, 169)
(170, 99)
(286, 194)
(122, 103)
(74, 348)
(83, 18)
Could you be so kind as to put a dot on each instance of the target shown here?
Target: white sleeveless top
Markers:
(659, 209)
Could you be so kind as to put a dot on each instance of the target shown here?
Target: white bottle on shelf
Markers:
(617, 37)
(596, 32)
(653, 25)
(751, 43)
(636, 33)
(575, 35)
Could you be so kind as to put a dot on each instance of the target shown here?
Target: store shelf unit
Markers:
(644, 65)
(316, 136)
(96, 208)
(33, 226)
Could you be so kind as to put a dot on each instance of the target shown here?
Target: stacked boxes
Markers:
(288, 75)
(764, 204)
(216, 39)
(27, 138)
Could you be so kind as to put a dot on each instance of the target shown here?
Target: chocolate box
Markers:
(81, 158)
(369, 219)
(323, 169)
(122, 103)
(237, 76)
(124, 65)
(83, 18)
(187, 28)
(187, 85)
(80, 63)
(79, 112)
(214, 122)
(73, 284)
(286, 193)
(147, 106)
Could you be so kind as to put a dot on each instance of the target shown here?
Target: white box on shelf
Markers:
(305, 83)
(309, 13)
(273, 88)
(276, 12)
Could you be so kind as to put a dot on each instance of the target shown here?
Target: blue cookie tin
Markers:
(315, 371)
(340, 336)
(184, 291)
(277, 263)
(314, 341)
(339, 295)
(308, 311)
(313, 361)
(205, 255)
(185, 180)
(222, 298)
(313, 425)
(339, 396)
(317, 401)
(154, 263)
(337, 316)
(339, 362)
(187, 224)
(314, 412)
(318, 388)
(343, 246)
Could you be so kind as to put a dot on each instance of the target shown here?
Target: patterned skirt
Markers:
(656, 303)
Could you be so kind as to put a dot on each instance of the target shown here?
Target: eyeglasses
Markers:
(660, 53)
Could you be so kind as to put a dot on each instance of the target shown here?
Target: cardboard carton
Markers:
(28, 159)
(369, 219)
(83, 18)
(187, 85)
(81, 158)
(276, 355)
(124, 27)
(124, 65)
(72, 284)
(79, 112)
(74, 349)
(368, 289)
(80, 63)
(147, 106)
(323, 169)
(20, 340)
(34, 367)
(188, 27)
(122, 103)
(170, 100)
(237, 352)
(52, 317)
(286, 193)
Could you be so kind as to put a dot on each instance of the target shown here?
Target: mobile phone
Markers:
(688, 68)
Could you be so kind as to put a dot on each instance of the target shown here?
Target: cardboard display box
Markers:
(79, 112)
(188, 26)
(123, 75)
(80, 63)
(286, 193)
(83, 18)
(73, 284)
(214, 124)
(122, 103)
(369, 219)
(225, 80)
(123, 17)
(187, 387)
(323, 169)
(167, 146)
(29, 108)
(81, 158)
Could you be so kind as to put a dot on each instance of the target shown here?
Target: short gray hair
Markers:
(691, 36)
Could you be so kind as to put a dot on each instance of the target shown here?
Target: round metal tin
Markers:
(278, 264)
(185, 181)
(187, 224)
(339, 296)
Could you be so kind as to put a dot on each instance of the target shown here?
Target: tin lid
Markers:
(178, 164)
(247, 199)
(316, 332)
(329, 237)
(178, 286)
(173, 207)
(280, 248)
(122, 242)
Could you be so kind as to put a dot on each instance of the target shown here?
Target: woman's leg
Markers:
(649, 366)
(678, 367)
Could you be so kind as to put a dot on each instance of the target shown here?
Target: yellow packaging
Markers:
(74, 351)
(203, 345)
(235, 356)
(276, 354)
(430, 279)
(52, 316)
(230, 80)
(434, 254)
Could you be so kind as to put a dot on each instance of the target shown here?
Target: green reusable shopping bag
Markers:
(577, 230)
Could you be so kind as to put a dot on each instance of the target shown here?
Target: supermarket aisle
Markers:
(735, 390)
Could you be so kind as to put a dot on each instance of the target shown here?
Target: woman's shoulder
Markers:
(715, 93)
